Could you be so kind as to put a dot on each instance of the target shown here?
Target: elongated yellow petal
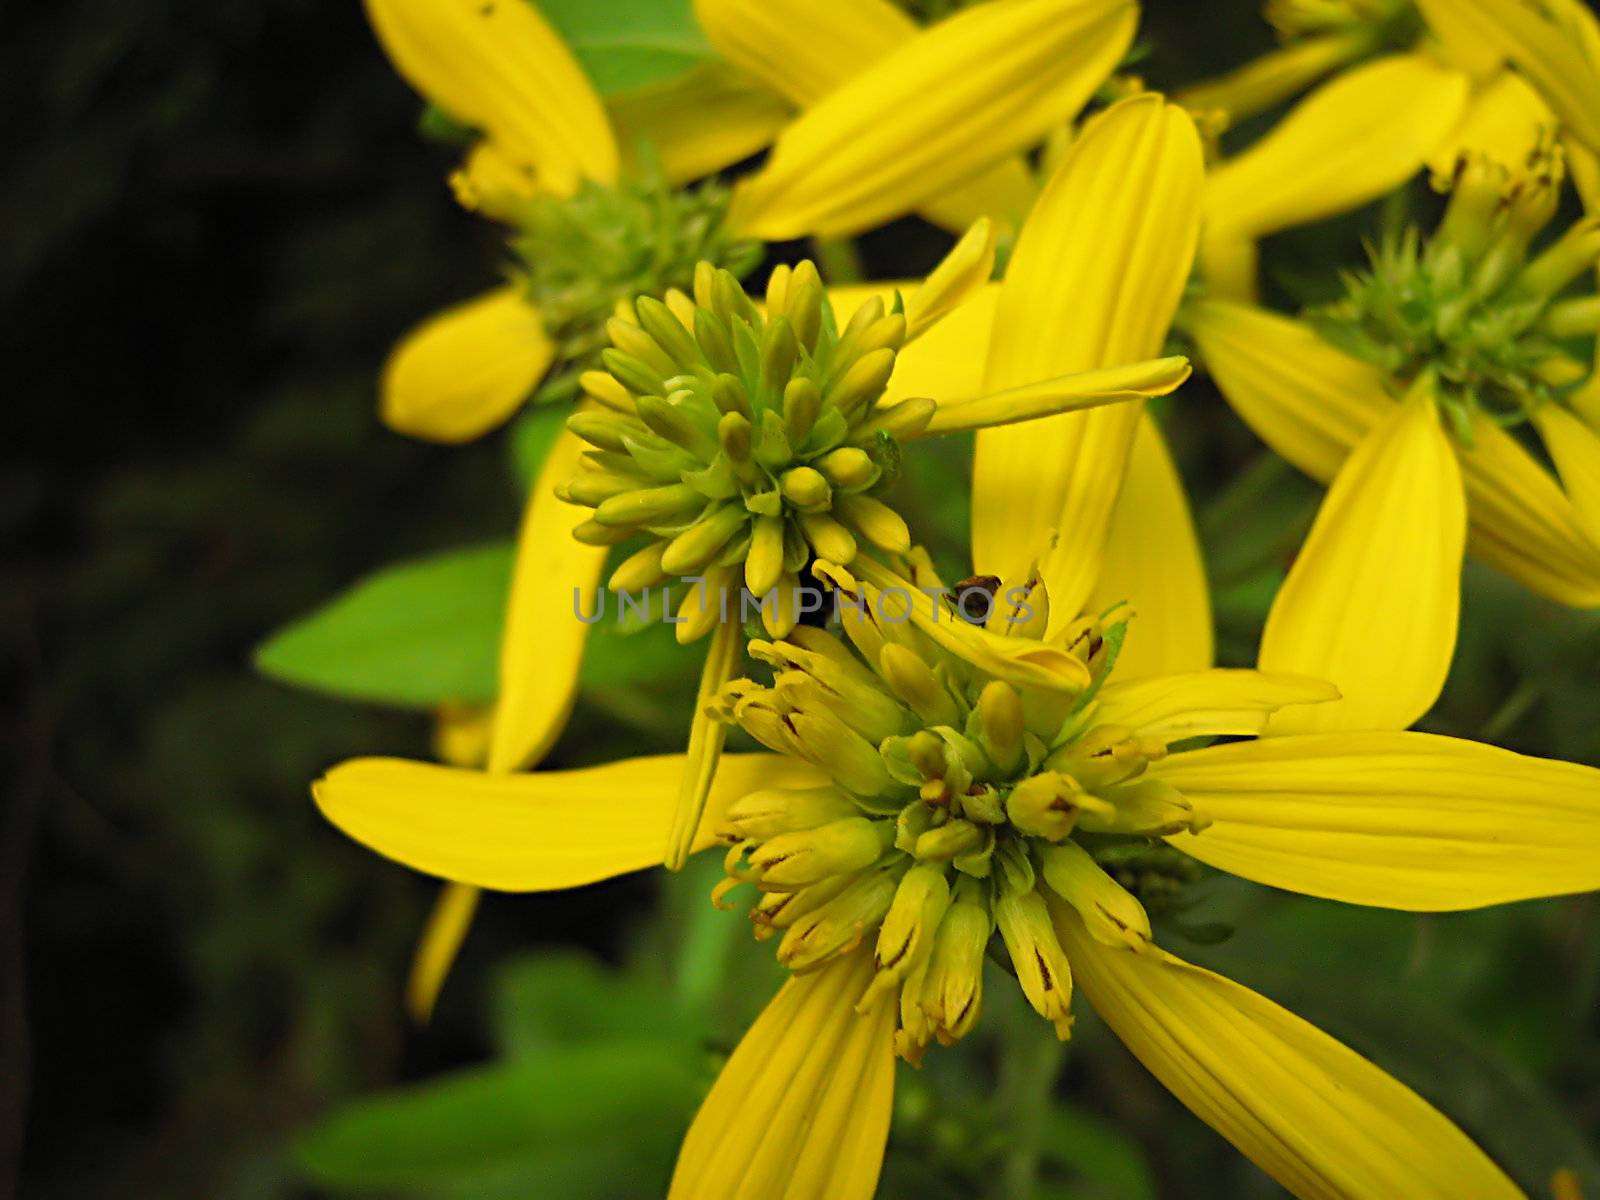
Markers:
(1350, 141)
(1274, 77)
(535, 831)
(1312, 404)
(1504, 121)
(1066, 393)
(950, 284)
(1320, 1119)
(1575, 447)
(1152, 562)
(1555, 43)
(554, 581)
(1467, 42)
(937, 110)
(464, 371)
(1523, 523)
(696, 123)
(1371, 602)
(804, 49)
(498, 67)
(707, 734)
(1094, 281)
(801, 1110)
(1400, 820)
(1205, 703)
(438, 946)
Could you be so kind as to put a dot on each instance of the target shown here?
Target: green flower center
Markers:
(960, 804)
(743, 442)
(583, 254)
(1471, 305)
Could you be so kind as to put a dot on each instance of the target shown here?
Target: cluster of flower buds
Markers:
(742, 442)
(956, 794)
(1472, 306)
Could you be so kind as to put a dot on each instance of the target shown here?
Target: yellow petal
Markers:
(464, 371)
(707, 735)
(1308, 401)
(950, 284)
(1228, 263)
(1467, 42)
(801, 1110)
(1153, 563)
(1555, 43)
(535, 831)
(1274, 77)
(1371, 602)
(1584, 166)
(438, 946)
(696, 123)
(1575, 447)
(804, 49)
(1350, 141)
(499, 67)
(554, 579)
(1505, 120)
(1522, 522)
(1320, 1119)
(1401, 820)
(1094, 281)
(956, 99)
(1066, 393)
(1205, 703)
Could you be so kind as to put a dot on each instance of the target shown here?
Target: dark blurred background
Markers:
(217, 217)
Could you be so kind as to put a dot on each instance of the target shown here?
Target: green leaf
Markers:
(415, 635)
(561, 998)
(496, 1124)
(1101, 1158)
(625, 44)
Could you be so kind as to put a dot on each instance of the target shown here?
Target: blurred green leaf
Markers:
(417, 635)
(509, 1119)
(533, 434)
(1104, 1162)
(625, 44)
(547, 1000)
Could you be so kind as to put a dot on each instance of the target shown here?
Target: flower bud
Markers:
(1045, 805)
(911, 679)
(802, 402)
(875, 521)
(668, 332)
(952, 986)
(831, 540)
(775, 811)
(763, 564)
(1041, 964)
(1151, 807)
(1001, 722)
(838, 925)
(1111, 915)
(639, 570)
(847, 467)
(850, 760)
(951, 840)
(703, 541)
(806, 489)
(807, 856)
(906, 936)
(650, 506)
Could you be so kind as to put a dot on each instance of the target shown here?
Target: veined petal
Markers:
(1372, 601)
(696, 123)
(801, 1110)
(1094, 281)
(438, 946)
(1575, 447)
(554, 579)
(500, 68)
(535, 831)
(1352, 140)
(1274, 77)
(1400, 820)
(950, 284)
(1066, 393)
(707, 735)
(1153, 562)
(1504, 120)
(1307, 400)
(1320, 1119)
(465, 370)
(1217, 702)
(942, 107)
(1522, 522)
(804, 49)
(1556, 44)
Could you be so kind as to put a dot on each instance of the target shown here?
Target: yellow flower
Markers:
(1399, 397)
(883, 885)
(499, 69)
(1418, 84)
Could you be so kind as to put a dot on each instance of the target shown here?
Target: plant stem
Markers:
(1030, 1060)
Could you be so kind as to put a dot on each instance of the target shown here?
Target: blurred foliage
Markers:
(207, 257)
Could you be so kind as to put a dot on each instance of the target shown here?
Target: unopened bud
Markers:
(906, 937)
(1041, 964)
(851, 761)
(1045, 805)
(847, 467)
(875, 521)
(1111, 915)
(911, 679)
(775, 811)
(951, 840)
(806, 489)
(1000, 719)
(839, 925)
(808, 856)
